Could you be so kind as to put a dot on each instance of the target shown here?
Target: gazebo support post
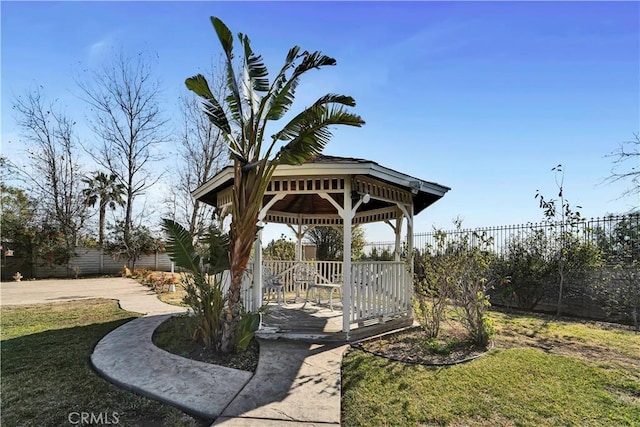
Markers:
(257, 271)
(299, 233)
(347, 218)
(410, 239)
(398, 231)
(410, 257)
(257, 266)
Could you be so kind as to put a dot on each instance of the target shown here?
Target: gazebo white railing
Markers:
(326, 272)
(380, 290)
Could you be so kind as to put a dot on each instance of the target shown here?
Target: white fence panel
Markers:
(380, 289)
(92, 261)
(326, 272)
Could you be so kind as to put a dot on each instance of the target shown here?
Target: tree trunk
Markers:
(194, 218)
(103, 213)
(238, 261)
(232, 315)
(240, 245)
(127, 219)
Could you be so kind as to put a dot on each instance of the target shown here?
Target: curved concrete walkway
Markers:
(127, 357)
(131, 294)
(295, 384)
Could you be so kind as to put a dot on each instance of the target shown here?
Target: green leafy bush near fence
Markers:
(457, 273)
(601, 266)
(618, 289)
(530, 268)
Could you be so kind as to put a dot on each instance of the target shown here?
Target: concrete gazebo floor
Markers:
(300, 317)
(316, 323)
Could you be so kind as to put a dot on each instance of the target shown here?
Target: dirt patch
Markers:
(452, 346)
(414, 346)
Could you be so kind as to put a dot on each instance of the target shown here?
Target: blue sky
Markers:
(482, 97)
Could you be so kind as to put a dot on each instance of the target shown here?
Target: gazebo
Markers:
(339, 192)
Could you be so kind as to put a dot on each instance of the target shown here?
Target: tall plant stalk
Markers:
(253, 101)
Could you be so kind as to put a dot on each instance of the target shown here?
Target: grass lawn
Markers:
(542, 373)
(174, 298)
(47, 374)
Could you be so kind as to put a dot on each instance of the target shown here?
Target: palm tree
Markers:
(105, 190)
(253, 101)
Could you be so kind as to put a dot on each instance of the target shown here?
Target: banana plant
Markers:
(202, 279)
(252, 102)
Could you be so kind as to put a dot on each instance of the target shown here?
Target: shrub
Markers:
(143, 274)
(203, 285)
(529, 270)
(456, 269)
(205, 297)
(202, 280)
(433, 285)
(162, 283)
(619, 289)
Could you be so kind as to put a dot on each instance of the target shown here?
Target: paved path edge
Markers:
(133, 362)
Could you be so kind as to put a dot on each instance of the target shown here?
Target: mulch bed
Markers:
(175, 331)
(414, 346)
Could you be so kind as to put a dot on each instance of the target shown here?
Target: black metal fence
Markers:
(612, 232)
(608, 289)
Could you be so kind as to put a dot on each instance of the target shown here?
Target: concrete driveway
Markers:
(132, 295)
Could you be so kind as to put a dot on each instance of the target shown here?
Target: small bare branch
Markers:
(626, 165)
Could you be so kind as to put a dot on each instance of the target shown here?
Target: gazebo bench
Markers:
(330, 287)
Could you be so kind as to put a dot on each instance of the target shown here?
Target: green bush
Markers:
(618, 290)
(529, 270)
(202, 280)
(455, 271)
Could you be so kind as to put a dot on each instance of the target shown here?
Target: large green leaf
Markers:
(246, 328)
(309, 132)
(180, 246)
(316, 113)
(284, 92)
(224, 35)
(218, 256)
(198, 84)
(234, 102)
(258, 73)
(278, 100)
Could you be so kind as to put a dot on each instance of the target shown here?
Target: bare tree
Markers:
(202, 153)
(626, 165)
(54, 176)
(124, 96)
